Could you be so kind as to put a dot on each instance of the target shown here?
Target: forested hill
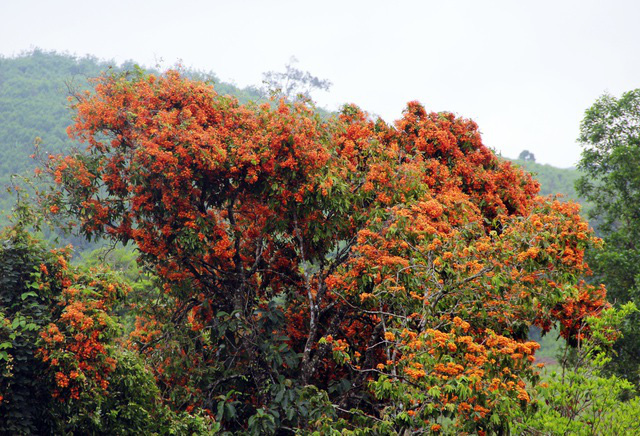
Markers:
(33, 103)
(553, 180)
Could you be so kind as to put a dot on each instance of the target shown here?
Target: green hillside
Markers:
(555, 180)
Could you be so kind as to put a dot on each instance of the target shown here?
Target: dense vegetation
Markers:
(297, 273)
(34, 91)
(610, 162)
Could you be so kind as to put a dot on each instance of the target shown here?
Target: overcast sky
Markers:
(525, 71)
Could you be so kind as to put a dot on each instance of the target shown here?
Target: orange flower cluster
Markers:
(74, 345)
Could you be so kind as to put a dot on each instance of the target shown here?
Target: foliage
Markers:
(23, 313)
(610, 135)
(55, 332)
(327, 275)
(131, 406)
(580, 399)
(60, 370)
(34, 88)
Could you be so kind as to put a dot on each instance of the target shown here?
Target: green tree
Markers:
(610, 134)
(580, 399)
(527, 155)
(293, 83)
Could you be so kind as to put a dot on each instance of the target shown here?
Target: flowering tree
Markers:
(325, 274)
(55, 334)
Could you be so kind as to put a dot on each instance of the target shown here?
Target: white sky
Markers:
(525, 71)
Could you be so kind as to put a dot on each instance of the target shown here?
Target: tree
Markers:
(526, 155)
(62, 367)
(293, 83)
(610, 135)
(55, 334)
(325, 275)
(580, 398)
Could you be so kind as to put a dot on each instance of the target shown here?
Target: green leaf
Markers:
(26, 295)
